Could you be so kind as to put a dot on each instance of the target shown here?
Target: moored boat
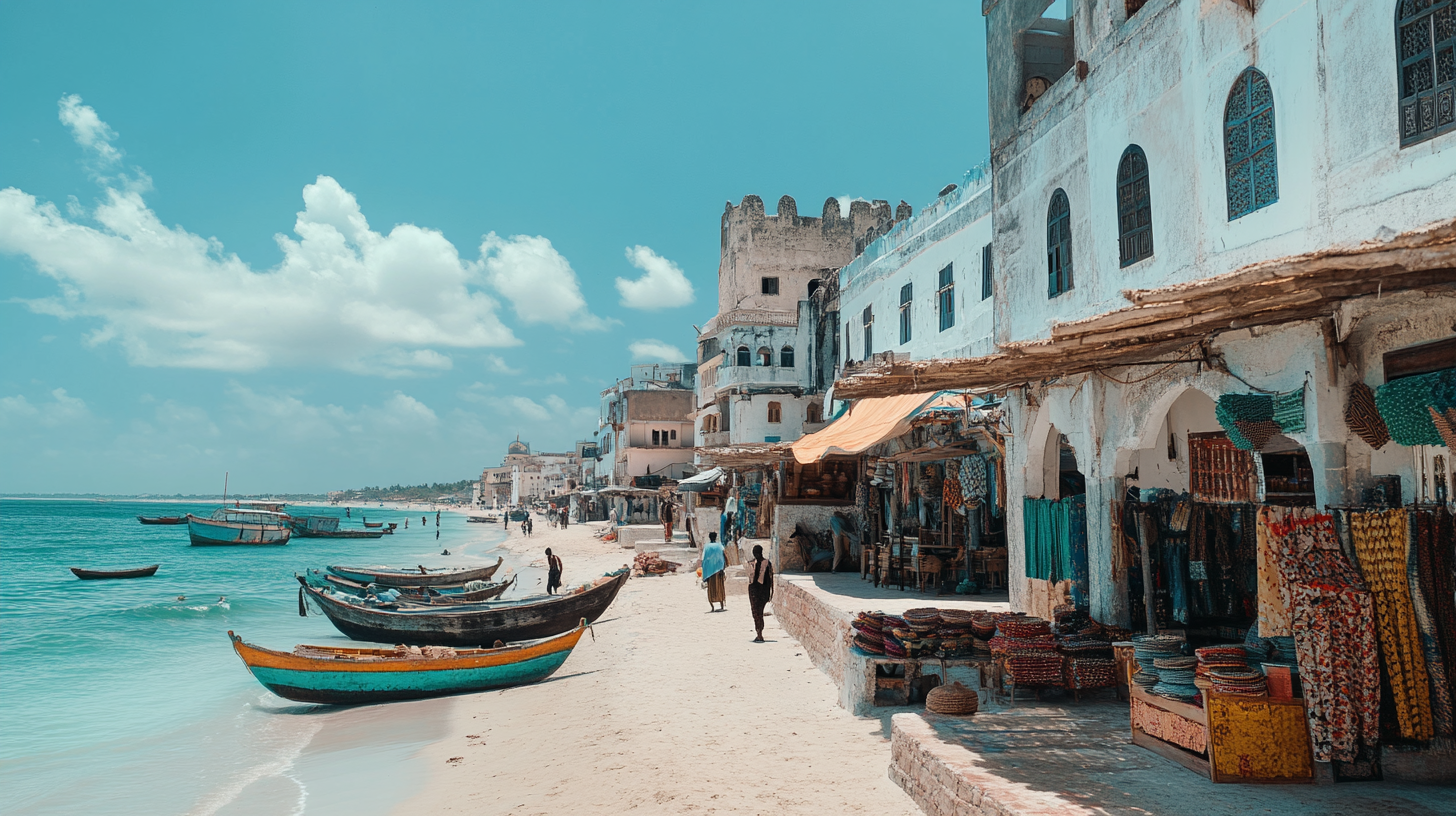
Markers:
(418, 577)
(343, 534)
(445, 594)
(162, 519)
(96, 575)
(468, 624)
(343, 676)
(373, 525)
(230, 526)
(312, 526)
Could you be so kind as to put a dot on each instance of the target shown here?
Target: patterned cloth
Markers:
(1381, 540)
(1423, 529)
(973, 477)
(1333, 633)
(1169, 727)
(1273, 598)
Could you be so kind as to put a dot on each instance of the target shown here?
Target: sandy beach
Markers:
(670, 709)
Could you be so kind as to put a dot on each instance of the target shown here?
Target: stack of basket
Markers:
(1240, 682)
(869, 632)
(983, 628)
(894, 644)
(1087, 662)
(919, 635)
(955, 633)
(954, 699)
(1175, 678)
(1148, 648)
(1213, 658)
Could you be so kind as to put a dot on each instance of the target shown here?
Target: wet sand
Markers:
(671, 709)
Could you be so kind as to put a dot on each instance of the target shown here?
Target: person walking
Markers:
(664, 514)
(553, 572)
(760, 588)
(713, 576)
(529, 525)
(564, 521)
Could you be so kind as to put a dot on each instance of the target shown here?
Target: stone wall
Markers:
(944, 779)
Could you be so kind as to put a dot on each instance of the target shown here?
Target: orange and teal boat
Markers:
(348, 676)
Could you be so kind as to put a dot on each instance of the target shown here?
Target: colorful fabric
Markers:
(713, 559)
(1335, 646)
(1381, 540)
(1273, 597)
(1169, 727)
(1434, 544)
(1419, 526)
(973, 477)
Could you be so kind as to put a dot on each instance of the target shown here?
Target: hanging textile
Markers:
(1381, 541)
(1422, 526)
(1404, 404)
(1074, 510)
(1054, 530)
(1039, 521)
(1363, 418)
(973, 477)
(1438, 581)
(1273, 597)
(1334, 638)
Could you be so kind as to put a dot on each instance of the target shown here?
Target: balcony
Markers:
(757, 375)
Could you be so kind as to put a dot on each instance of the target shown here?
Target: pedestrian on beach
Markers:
(553, 572)
(713, 576)
(565, 519)
(528, 525)
(423, 520)
(347, 513)
(664, 514)
(760, 588)
(437, 518)
(437, 535)
(406, 524)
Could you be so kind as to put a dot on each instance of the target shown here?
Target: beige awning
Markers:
(867, 423)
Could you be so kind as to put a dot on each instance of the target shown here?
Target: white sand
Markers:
(671, 709)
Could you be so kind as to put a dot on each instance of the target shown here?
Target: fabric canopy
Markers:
(701, 482)
(867, 423)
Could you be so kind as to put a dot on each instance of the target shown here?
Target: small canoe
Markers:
(445, 594)
(345, 676)
(97, 575)
(162, 519)
(373, 525)
(342, 534)
(418, 577)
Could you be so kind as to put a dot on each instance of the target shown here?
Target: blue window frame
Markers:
(905, 296)
(1425, 43)
(945, 296)
(987, 282)
(1134, 207)
(868, 320)
(1249, 152)
(1059, 244)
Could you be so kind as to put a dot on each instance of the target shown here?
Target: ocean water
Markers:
(126, 696)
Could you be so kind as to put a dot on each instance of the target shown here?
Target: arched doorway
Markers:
(1055, 529)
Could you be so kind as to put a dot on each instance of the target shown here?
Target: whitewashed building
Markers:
(646, 425)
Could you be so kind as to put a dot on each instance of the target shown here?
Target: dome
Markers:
(517, 447)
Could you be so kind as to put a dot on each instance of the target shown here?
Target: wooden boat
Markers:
(417, 577)
(230, 526)
(162, 519)
(468, 624)
(450, 594)
(97, 575)
(308, 526)
(373, 525)
(342, 534)
(344, 676)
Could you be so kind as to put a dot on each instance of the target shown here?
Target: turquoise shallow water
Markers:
(115, 697)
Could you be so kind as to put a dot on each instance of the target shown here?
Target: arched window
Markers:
(1425, 44)
(1248, 145)
(786, 357)
(1059, 245)
(743, 356)
(814, 413)
(775, 412)
(765, 357)
(1134, 207)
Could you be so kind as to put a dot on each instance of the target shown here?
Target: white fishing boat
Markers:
(231, 526)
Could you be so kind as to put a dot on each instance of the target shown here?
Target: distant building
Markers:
(542, 474)
(646, 425)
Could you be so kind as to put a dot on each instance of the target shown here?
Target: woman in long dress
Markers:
(760, 588)
(713, 576)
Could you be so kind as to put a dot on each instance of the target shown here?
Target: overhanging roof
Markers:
(1170, 319)
(867, 423)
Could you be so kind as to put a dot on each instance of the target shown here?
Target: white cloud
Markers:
(554, 410)
(844, 202)
(555, 379)
(344, 296)
(656, 350)
(60, 409)
(287, 416)
(538, 281)
(494, 363)
(662, 286)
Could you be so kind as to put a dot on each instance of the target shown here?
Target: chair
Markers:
(929, 565)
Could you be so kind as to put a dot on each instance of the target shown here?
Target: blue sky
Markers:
(327, 245)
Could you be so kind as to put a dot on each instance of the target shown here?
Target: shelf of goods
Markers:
(1232, 739)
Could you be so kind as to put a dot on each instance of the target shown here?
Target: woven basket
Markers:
(954, 699)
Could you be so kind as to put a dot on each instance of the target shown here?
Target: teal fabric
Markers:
(1049, 528)
(713, 561)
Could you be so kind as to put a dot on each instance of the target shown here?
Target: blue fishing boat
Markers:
(231, 526)
(344, 676)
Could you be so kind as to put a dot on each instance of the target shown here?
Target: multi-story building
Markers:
(762, 357)
(541, 475)
(1191, 201)
(646, 425)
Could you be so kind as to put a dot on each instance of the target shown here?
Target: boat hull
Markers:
(210, 533)
(400, 578)
(345, 682)
(162, 519)
(339, 534)
(100, 575)
(442, 595)
(469, 625)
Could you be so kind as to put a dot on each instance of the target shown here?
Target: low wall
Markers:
(944, 779)
(824, 633)
(649, 536)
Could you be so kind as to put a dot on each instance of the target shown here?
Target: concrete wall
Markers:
(1161, 80)
(675, 405)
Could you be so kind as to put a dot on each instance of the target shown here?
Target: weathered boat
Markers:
(97, 575)
(418, 577)
(162, 519)
(373, 525)
(468, 624)
(229, 526)
(344, 676)
(445, 594)
(344, 534)
(310, 526)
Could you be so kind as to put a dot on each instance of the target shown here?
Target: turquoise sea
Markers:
(126, 697)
